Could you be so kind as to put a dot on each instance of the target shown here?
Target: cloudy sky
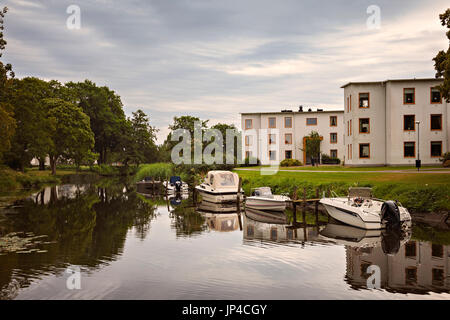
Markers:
(214, 59)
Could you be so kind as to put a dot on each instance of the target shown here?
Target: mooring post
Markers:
(153, 186)
(304, 204)
(294, 205)
(316, 207)
(238, 196)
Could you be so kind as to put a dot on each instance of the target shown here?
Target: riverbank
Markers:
(419, 192)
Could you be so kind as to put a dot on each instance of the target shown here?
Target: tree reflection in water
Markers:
(86, 225)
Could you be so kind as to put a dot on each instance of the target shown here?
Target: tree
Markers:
(187, 123)
(312, 145)
(138, 140)
(442, 60)
(105, 111)
(70, 134)
(31, 137)
(7, 121)
(236, 148)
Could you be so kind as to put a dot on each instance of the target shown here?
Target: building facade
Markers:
(395, 122)
(275, 136)
(392, 122)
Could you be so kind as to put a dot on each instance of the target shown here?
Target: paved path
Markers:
(435, 170)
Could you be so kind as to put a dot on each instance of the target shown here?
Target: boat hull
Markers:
(351, 218)
(217, 197)
(265, 204)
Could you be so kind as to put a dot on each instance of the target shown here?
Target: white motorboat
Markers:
(211, 207)
(175, 184)
(263, 199)
(365, 212)
(269, 217)
(219, 186)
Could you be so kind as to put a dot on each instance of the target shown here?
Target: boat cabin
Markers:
(222, 180)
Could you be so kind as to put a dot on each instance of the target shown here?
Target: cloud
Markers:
(214, 59)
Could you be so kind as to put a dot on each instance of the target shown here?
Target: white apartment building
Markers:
(379, 126)
(275, 136)
(383, 119)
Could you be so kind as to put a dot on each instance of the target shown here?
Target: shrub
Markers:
(326, 159)
(445, 157)
(155, 170)
(291, 163)
(251, 162)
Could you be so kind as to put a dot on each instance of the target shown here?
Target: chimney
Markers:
(300, 109)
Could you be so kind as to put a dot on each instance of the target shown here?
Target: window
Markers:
(351, 151)
(333, 137)
(333, 153)
(409, 149)
(248, 123)
(435, 96)
(272, 122)
(272, 155)
(411, 275)
(248, 154)
(248, 140)
(311, 121)
(272, 138)
(333, 121)
(409, 123)
(437, 277)
(409, 96)
(437, 250)
(364, 150)
(288, 154)
(288, 138)
(364, 100)
(273, 233)
(436, 122)
(436, 148)
(351, 126)
(348, 104)
(288, 122)
(410, 249)
(364, 125)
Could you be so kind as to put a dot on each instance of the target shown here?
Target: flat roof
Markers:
(393, 80)
(296, 112)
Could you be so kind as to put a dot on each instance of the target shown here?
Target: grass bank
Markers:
(419, 192)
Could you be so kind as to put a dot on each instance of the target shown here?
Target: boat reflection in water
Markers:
(222, 217)
(265, 227)
(406, 266)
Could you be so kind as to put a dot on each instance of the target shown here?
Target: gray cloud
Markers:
(214, 59)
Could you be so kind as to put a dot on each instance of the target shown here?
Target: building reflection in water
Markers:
(407, 266)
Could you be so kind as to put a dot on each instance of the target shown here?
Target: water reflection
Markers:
(86, 225)
(108, 229)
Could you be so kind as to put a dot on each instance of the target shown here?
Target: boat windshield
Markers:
(263, 192)
(226, 180)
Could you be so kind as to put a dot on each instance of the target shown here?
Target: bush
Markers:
(291, 163)
(155, 170)
(445, 157)
(251, 162)
(326, 159)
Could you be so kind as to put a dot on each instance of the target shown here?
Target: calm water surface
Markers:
(132, 247)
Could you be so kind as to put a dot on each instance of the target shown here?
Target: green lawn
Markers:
(341, 168)
(420, 192)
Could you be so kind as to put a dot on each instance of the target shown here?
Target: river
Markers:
(128, 246)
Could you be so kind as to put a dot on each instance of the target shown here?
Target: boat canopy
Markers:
(222, 179)
(265, 192)
(174, 179)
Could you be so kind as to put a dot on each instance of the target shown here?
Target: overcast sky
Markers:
(214, 59)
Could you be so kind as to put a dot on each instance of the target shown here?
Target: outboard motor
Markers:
(391, 214)
(178, 186)
(390, 241)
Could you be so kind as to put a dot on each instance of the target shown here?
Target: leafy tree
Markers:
(105, 110)
(183, 122)
(223, 127)
(70, 134)
(7, 121)
(312, 145)
(442, 60)
(31, 137)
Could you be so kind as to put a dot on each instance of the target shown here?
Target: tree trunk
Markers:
(41, 164)
(53, 164)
